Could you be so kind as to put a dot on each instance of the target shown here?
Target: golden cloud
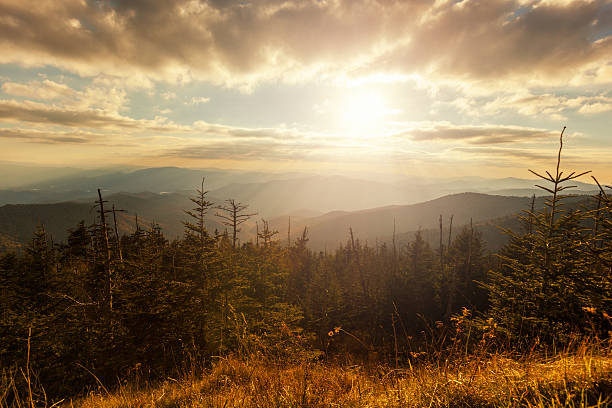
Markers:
(244, 43)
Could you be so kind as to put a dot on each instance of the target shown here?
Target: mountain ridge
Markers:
(330, 229)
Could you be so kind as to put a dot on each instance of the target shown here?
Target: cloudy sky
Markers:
(407, 87)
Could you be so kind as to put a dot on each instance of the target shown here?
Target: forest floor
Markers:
(578, 379)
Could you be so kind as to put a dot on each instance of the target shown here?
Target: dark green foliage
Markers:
(467, 267)
(550, 284)
(183, 301)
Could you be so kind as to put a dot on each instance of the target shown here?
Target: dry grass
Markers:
(581, 378)
(572, 380)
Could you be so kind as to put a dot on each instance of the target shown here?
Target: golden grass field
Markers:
(578, 379)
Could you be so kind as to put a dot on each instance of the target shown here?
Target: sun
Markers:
(362, 114)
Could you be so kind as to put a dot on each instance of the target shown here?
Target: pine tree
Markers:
(202, 274)
(467, 264)
(546, 279)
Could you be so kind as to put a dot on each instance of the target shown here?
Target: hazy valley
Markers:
(327, 205)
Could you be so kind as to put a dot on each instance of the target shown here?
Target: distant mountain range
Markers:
(157, 180)
(486, 212)
(269, 194)
(325, 231)
(19, 221)
(328, 205)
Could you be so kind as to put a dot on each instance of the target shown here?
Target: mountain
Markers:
(304, 204)
(158, 179)
(377, 224)
(166, 210)
(38, 196)
(491, 185)
(19, 177)
(8, 243)
(19, 221)
(373, 224)
(316, 193)
(270, 194)
(339, 193)
(83, 185)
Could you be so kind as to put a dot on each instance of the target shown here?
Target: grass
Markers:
(578, 379)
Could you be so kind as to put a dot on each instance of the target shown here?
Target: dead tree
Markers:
(115, 211)
(289, 233)
(450, 233)
(233, 215)
(107, 251)
(441, 246)
(266, 234)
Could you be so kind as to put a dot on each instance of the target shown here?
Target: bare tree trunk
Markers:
(450, 233)
(289, 233)
(232, 216)
(117, 233)
(441, 247)
(109, 283)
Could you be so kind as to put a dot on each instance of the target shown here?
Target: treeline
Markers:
(144, 305)
(102, 308)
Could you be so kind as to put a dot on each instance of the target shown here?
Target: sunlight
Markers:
(362, 114)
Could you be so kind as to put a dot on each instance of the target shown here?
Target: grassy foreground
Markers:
(578, 379)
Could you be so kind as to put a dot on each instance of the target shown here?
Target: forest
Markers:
(104, 312)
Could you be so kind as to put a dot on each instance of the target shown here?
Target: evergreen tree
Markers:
(547, 280)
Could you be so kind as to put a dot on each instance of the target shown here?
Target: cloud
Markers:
(234, 143)
(244, 43)
(98, 107)
(43, 137)
(107, 98)
(168, 95)
(57, 123)
(43, 114)
(223, 131)
(474, 134)
(196, 100)
(539, 42)
(508, 153)
(34, 112)
(268, 150)
(61, 137)
(39, 90)
(528, 103)
(579, 159)
(235, 151)
(596, 106)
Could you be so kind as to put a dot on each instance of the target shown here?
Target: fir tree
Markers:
(547, 280)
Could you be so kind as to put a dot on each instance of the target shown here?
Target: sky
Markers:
(414, 87)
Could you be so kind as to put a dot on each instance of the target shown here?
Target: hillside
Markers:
(325, 231)
(18, 222)
(270, 194)
(376, 224)
(81, 185)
